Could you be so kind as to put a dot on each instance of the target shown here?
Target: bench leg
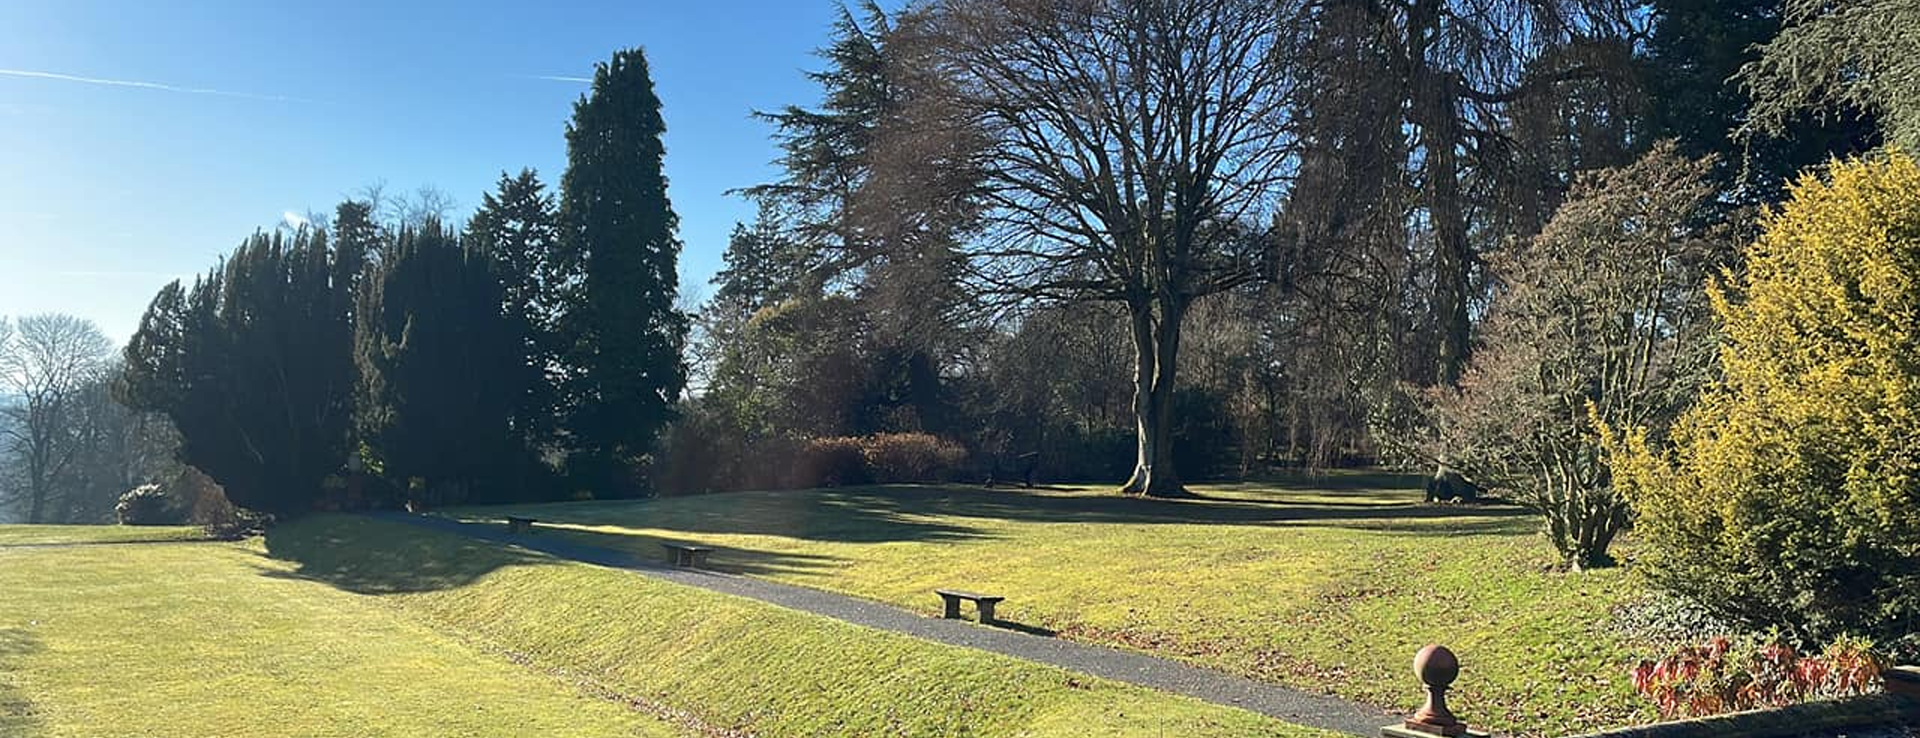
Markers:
(953, 608)
(986, 611)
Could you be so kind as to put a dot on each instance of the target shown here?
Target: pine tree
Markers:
(618, 267)
(442, 369)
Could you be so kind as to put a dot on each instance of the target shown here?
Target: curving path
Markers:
(1290, 705)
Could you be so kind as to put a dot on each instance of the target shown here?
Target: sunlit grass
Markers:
(17, 535)
(341, 626)
(214, 639)
(1323, 584)
(728, 662)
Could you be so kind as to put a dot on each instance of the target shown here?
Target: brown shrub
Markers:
(828, 462)
(912, 457)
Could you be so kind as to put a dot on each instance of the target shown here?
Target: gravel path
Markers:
(1290, 705)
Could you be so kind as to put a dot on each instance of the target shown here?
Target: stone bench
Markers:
(519, 524)
(984, 603)
(681, 554)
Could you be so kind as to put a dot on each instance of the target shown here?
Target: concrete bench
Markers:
(519, 524)
(681, 554)
(984, 603)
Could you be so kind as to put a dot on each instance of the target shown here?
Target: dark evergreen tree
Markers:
(1691, 62)
(442, 369)
(618, 266)
(517, 228)
(874, 195)
(253, 364)
(825, 150)
(763, 265)
(516, 225)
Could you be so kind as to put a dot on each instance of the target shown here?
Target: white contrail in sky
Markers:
(31, 74)
(557, 78)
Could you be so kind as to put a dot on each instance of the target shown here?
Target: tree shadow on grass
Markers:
(18, 716)
(1411, 515)
(846, 515)
(1341, 480)
(385, 558)
(913, 513)
(369, 556)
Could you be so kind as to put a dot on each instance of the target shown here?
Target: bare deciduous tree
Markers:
(1125, 145)
(45, 369)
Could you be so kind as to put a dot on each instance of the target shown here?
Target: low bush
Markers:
(828, 462)
(149, 504)
(912, 457)
(698, 457)
(1789, 496)
(1724, 675)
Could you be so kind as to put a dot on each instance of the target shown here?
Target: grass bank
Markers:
(1327, 584)
(729, 665)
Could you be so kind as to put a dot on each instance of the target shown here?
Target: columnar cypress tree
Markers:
(442, 366)
(618, 265)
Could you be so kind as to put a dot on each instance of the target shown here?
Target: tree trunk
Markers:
(1435, 110)
(1156, 356)
(37, 505)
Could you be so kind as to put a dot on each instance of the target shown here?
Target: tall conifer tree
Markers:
(619, 272)
(442, 368)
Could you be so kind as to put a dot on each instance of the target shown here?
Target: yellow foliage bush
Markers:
(1791, 495)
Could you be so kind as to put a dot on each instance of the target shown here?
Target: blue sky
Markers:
(140, 140)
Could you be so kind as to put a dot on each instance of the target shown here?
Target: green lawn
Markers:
(19, 535)
(727, 663)
(341, 626)
(215, 639)
(1328, 584)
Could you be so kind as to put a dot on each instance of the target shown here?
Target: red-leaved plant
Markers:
(1723, 675)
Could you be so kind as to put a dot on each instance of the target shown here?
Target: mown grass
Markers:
(216, 639)
(728, 664)
(21, 535)
(1325, 584)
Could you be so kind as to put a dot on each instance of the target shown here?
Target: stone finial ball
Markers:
(1435, 665)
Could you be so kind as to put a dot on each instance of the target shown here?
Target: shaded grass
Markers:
(736, 664)
(19, 535)
(1322, 584)
(191, 641)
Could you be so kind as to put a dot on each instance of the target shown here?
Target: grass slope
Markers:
(735, 665)
(21, 535)
(1330, 584)
(214, 639)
